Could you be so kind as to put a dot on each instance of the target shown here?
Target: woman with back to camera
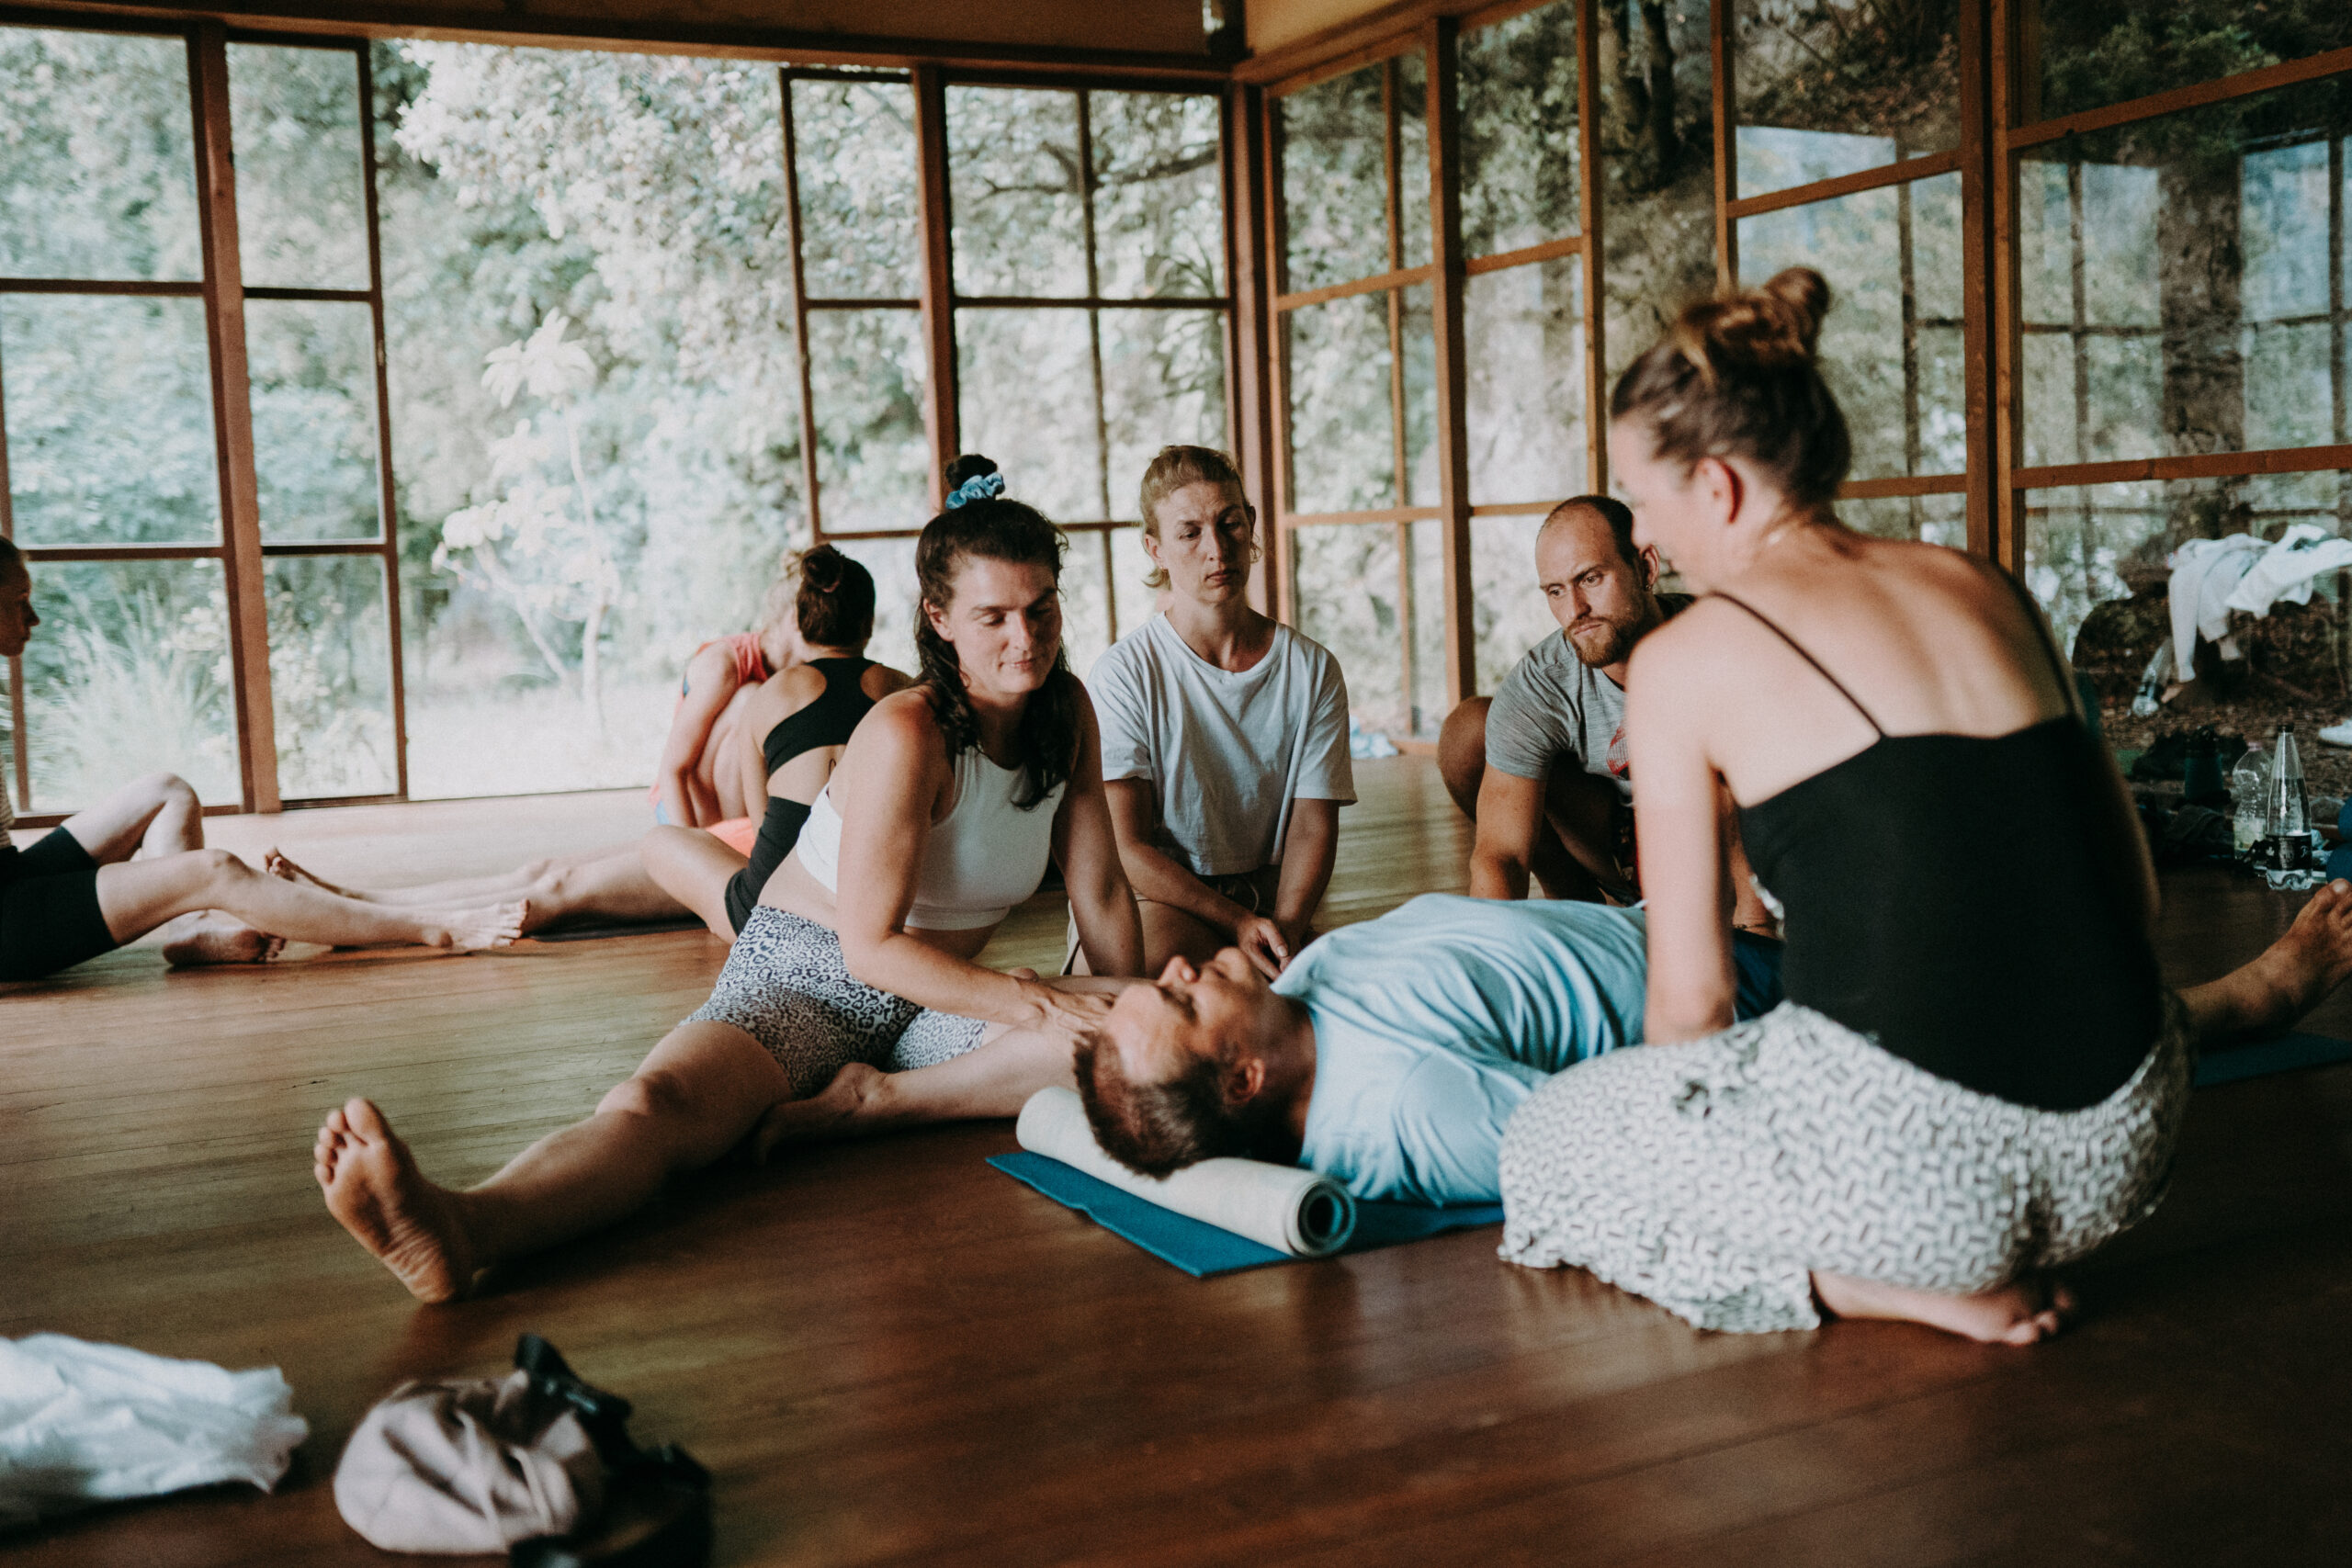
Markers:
(943, 815)
(1978, 1074)
(1225, 737)
(802, 715)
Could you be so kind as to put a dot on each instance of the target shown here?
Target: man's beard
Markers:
(1600, 644)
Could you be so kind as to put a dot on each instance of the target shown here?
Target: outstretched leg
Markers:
(691, 868)
(608, 883)
(136, 896)
(690, 1101)
(2290, 976)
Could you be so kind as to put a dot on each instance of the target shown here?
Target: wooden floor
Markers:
(891, 1353)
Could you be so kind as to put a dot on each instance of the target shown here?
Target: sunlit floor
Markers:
(890, 1353)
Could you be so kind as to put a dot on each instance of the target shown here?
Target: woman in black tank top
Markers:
(1978, 1074)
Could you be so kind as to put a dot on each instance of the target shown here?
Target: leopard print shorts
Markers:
(786, 986)
(1714, 1177)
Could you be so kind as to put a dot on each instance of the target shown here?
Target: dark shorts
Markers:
(49, 908)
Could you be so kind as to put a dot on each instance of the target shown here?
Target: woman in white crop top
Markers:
(946, 807)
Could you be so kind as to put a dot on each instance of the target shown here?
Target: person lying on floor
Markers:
(946, 807)
(136, 862)
(804, 713)
(1391, 1054)
(1225, 736)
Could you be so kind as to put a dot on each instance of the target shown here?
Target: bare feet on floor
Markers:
(277, 865)
(468, 931)
(373, 1188)
(834, 1111)
(2025, 1312)
(208, 938)
(2297, 972)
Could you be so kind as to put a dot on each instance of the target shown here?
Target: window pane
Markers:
(1342, 418)
(330, 676)
(1524, 328)
(1518, 132)
(97, 167)
(1335, 180)
(1658, 237)
(314, 419)
(1428, 627)
(1028, 401)
(608, 226)
(2096, 557)
(1163, 382)
(892, 562)
(128, 674)
(1348, 598)
(866, 373)
(1086, 602)
(1830, 87)
(1129, 566)
(1513, 614)
(2166, 266)
(1891, 346)
(1413, 159)
(109, 417)
(2108, 53)
(1419, 333)
(855, 146)
(301, 186)
(1158, 195)
(1013, 175)
(1938, 519)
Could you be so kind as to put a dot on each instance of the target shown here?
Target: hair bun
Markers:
(970, 466)
(820, 567)
(1772, 328)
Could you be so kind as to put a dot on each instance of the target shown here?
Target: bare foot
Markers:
(469, 930)
(840, 1110)
(2024, 1312)
(208, 938)
(373, 1188)
(2299, 970)
(277, 865)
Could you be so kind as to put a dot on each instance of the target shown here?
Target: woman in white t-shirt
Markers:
(1225, 737)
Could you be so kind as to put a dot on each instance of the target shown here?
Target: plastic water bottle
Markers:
(2291, 822)
(2250, 796)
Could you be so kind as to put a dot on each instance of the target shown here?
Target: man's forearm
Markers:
(1158, 877)
(1494, 875)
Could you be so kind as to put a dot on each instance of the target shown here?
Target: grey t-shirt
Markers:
(1554, 705)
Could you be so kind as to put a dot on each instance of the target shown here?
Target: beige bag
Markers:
(471, 1466)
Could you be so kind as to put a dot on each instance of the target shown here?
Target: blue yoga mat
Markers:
(1201, 1249)
(2285, 1054)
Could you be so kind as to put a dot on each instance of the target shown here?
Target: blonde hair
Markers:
(1175, 467)
(1736, 374)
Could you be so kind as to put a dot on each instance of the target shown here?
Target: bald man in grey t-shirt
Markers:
(1540, 767)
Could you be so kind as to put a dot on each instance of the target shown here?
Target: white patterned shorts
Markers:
(1714, 1177)
(786, 986)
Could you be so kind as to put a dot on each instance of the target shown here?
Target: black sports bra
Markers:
(1945, 896)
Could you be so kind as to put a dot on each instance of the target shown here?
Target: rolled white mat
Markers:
(1281, 1206)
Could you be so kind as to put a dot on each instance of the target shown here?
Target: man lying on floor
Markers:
(1392, 1053)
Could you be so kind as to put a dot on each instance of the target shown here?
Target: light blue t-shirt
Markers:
(1432, 1024)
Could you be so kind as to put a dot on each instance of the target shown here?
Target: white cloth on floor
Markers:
(2204, 571)
(2289, 568)
(83, 1423)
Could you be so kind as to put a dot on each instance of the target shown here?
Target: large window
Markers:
(494, 381)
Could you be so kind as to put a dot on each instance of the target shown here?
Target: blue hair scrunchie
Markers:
(980, 487)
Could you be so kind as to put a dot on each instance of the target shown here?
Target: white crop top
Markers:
(985, 855)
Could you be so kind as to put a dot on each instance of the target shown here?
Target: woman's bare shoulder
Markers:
(881, 679)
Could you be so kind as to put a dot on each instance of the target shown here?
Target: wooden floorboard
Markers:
(888, 1353)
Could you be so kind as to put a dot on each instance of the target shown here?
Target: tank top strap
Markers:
(1798, 648)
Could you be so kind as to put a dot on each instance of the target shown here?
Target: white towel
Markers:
(2289, 568)
(83, 1423)
(2203, 573)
